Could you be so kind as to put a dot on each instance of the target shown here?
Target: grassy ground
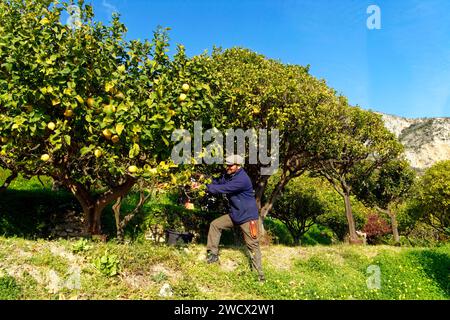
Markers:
(48, 270)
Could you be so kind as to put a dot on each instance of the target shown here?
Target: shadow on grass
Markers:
(33, 213)
(161, 215)
(29, 214)
(436, 265)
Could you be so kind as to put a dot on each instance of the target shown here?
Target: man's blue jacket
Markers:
(239, 190)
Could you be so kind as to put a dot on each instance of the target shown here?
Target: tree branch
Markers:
(8, 181)
(112, 194)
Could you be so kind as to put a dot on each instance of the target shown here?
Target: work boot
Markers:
(212, 258)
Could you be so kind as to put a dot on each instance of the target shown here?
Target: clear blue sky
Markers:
(401, 69)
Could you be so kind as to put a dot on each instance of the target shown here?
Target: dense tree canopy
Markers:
(260, 93)
(85, 106)
(362, 145)
(385, 188)
(434, 196)
(96, 112)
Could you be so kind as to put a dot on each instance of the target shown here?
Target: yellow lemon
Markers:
(51, 126)
(98, 153)
(132, 169)
(107, 134)
(182, 97)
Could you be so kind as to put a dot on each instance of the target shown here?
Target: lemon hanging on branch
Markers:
(115, 139)
(51, 126)
(107, 134)
(68, 113)
(98, 153)
(90, 102)
(182, 97)
(132, 169)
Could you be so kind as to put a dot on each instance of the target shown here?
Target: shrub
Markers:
(163, 212)
(375, 228)
(298, 208)
(334, 216)
(81, 245)
(424, 235)
(277, 231)
(160, 277)
(186, 288)
(108, 264)
(434, 197)
(318, 235)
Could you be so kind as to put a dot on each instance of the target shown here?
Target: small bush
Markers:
(375, 228)
(318, 235)
(163, 213)
(80, 246)
(423, 235)
(278, 232)
(108, 264)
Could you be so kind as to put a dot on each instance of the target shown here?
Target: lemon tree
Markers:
(85, 106)
(261, 93)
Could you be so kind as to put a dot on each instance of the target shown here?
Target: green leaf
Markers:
(168, 127)
(134, 151)
(79, 99)
(57, 147)
(67, 139)
(119, 128)
(85, 150)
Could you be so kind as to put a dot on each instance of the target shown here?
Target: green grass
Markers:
(313, 272)
(9, 289)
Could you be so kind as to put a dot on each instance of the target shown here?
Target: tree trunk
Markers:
(93, 207)
(116, 210)
(122, 223)
(264, 211)
(263, 236)
(8, 182)
(86, 201)
(394, 225)
(265, 208)
(96, 226)
(260, 187)
(353, 238)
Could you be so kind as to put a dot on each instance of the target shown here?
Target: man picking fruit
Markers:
(238, 188)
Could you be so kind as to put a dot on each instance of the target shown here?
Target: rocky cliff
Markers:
(426, 140)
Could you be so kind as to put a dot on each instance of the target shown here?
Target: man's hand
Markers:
(195, 185)
(189, 206)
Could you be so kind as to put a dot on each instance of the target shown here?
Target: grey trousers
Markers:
(224, 222)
